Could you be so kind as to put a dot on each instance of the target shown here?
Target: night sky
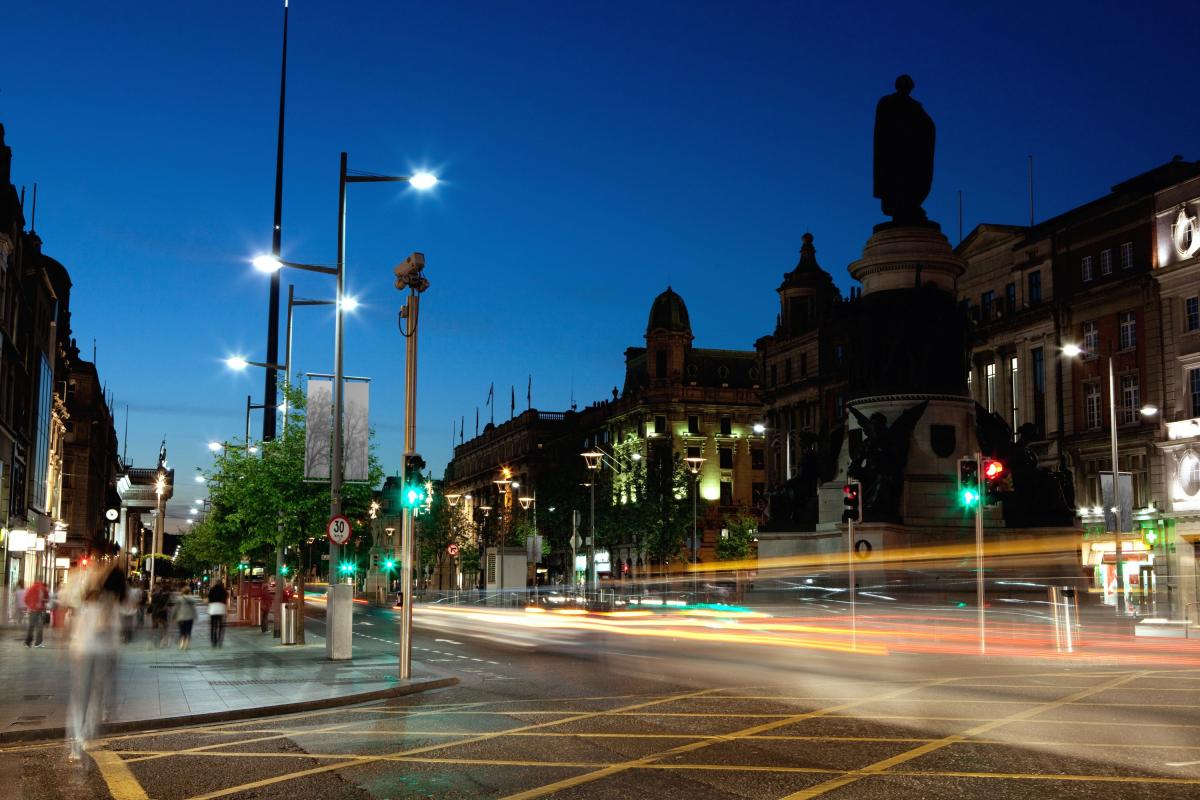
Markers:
(591, 154)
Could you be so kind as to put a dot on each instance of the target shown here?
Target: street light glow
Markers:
(237, 362)
(199, 479)
(1072, 350)
(423, 180)
(1149, 410)
(214, 446)
(760, 428)
(267, 263)
(349, 303)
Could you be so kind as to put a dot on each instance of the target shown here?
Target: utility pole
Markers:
(409, 276)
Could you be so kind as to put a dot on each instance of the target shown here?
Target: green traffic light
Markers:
(283, 570)
(347, 567)
(413, 496)
(968, 498)
(389, 565)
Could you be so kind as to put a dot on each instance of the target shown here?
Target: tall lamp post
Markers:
(338, 642)
(694, 463)
(1074, 351)
(593, 460)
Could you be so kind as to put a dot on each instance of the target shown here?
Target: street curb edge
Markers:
(234, 714)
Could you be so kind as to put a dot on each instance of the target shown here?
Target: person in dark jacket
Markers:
(218, 600)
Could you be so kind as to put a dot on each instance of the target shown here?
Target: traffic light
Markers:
(346, 568)
(852, 502)
(996, 480)
(389, 565)
(968, 483)
(412, 493)
(283, 570)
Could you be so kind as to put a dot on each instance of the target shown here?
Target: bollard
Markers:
(289, 623)
(1064, 609)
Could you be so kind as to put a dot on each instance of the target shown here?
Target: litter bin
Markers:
(289, 623)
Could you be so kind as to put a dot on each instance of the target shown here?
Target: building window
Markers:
(758, 493)
(660, 363)
(693, 423)
(1014, 391)
(1130, 398)
(1128, 337)
(986, 302)
(787, 370)
(970, 382)
(1106, 262)
(1035, 288)
(726, 457)
(989, 372)
(726, 426)
(839, 406)
(1089, 269)
(1127, 255)
(660, 425)
(726, 493)
(1191, 313)
(1194, 386)
(803, 364)
(1091, 405)
(839, 354)
(1037, 356)
(756, 458)
(693, 452)
(774, 374)
(1091, 339)
(1010, 297)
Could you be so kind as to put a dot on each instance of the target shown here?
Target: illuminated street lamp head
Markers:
(267, 263)
(454, 498)
(525, 502)
(1072, 350)
(193, 511)
(1149, 410)
(199, 479)
(592, 457)
(251, 449)
(636, 456)
(694, 463)
(423, 180)
(214, 446)
(236, 362)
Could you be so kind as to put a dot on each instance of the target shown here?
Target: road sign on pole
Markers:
(338, 530)
(452, 549)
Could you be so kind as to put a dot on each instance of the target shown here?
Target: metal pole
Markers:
(574, 539)
(335, 477)
(979, 595)
(850, 572)
(406, 527)
(1116, 478)
(269, 390)
(592, 577)
(695, 545)
(247, 424)
(287, 357)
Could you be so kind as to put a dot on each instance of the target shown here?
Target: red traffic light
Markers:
(83, 561)
(850, 490)
(993, 470)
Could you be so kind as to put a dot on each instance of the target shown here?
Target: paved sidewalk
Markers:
(251, 674)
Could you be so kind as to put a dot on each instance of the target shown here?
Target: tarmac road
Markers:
(568, 712)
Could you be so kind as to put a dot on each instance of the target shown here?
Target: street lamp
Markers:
(1071, 351)
(593, 460)
(694, 463)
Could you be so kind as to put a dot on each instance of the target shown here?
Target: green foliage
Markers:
(739, 543)
(259, 502)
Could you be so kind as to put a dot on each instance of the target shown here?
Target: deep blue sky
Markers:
(591, 154)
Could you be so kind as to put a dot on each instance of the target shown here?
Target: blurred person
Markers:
(19, 607)
(36, 600)
(137, 599)
(185, 616)
(266, 598)
(218, 599)
(95, 638)
(159, 603)
(127, 610)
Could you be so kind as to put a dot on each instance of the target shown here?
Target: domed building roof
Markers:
(807, 272)
(668, 313)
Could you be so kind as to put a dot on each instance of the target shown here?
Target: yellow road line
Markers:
(426, 748)
(121, 783)
(589, 777)
(884, 764)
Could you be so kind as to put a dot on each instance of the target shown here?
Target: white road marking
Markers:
(447, 641)
(1182, 763)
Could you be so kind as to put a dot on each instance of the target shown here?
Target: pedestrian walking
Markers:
(218, 599)
(137, 599)
(185, 616)
(95, 636)
(159, 602)
(264, 601)
(36, 597)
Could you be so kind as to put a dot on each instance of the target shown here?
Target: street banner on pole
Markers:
(355, 430)
(318, 431)
(1126, 505)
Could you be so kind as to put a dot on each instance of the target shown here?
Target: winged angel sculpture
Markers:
(879, 459)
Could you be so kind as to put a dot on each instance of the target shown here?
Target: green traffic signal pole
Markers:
(979, 594)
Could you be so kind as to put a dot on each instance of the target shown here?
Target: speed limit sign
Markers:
(338, 530)
(452, 549)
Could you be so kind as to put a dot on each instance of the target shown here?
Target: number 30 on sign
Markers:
(338, 530)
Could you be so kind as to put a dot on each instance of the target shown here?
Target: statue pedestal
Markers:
(907, 256)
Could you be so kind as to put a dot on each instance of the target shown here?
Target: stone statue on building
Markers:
(878, 461)
(1039, 497)
(904, 139)
(162, 455)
